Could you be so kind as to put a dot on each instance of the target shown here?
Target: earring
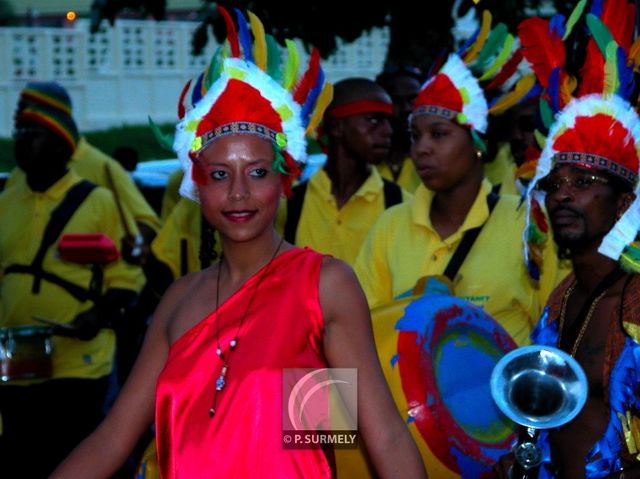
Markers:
(478, 155)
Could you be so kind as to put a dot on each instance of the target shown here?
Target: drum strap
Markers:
(60, 216)
(468, 239)
(392, 196)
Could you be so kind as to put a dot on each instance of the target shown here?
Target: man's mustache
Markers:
(566, 209)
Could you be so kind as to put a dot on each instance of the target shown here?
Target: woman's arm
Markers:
(349, 343)
(107, 448)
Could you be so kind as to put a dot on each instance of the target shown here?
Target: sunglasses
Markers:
(578, 182)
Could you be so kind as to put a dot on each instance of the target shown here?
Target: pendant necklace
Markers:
(221, 381)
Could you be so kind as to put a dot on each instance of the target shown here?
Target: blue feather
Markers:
(244, 36)
(310, 102)
(437, 64)
(596, 8)
(553, 90)
(196, 93)
(465, 46)
(556, 24)
(625, 75)
(535, 92)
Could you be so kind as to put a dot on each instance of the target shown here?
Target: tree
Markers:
(416, 37)
(7, 16)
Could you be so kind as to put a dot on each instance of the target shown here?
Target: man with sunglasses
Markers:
(586, 176)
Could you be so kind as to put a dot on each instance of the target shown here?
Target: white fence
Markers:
(122, 74)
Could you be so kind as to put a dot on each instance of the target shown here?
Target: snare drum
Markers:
(25, 353)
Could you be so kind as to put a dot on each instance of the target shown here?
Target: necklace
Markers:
(233, 343)
(587, 320)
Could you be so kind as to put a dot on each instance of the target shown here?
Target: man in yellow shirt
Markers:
(335, 209)
(46, 412)
(138, 218)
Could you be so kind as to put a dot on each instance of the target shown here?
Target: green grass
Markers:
(139, 137)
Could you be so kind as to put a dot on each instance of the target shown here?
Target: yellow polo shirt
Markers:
(91, 163)
(403, 247)
(408, 178)
(339, 232)
(502, 170)
(24, 215)
(183, 225)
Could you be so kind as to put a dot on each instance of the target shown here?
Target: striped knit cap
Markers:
(48, 104)
(49, 94)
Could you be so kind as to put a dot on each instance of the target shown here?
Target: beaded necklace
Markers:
(233, 343)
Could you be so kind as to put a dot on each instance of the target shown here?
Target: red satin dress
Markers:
(282, 329)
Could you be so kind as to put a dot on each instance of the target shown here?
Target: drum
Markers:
(25, 353)
(437, 353)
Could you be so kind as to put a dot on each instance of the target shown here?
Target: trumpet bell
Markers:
(539, 386)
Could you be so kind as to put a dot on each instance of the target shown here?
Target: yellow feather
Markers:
(324, 99)
(611, 82)
(567, 88)
(259, 42)
(508, 100)
(291, 70)
(634, 53)
(485, 28)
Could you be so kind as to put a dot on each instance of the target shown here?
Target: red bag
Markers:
(87, 248)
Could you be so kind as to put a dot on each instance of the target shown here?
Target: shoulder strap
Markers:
(392, 193)
(467, 241)
(294, 210)
(60, 216)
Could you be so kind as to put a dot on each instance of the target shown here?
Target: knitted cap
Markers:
(59, 123)
(49, 94)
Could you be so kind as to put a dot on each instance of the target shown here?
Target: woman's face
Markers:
(442, 152)
(241, 192)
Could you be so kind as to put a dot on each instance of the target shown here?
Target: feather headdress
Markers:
(244, 92)
(481, 78)
(598, 129)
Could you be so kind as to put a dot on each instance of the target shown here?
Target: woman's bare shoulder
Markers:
(182, 299)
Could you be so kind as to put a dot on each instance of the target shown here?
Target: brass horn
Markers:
(538, 387)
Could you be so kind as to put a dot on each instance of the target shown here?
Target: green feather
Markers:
(573, 18)
(164, 140)
(546, 113)
(274, 58)
(214, 69)
(600, 32)
(501, 59)
(494, 43)
(630, 258)
(541, 140)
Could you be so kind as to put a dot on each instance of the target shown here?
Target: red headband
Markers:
(360, 106)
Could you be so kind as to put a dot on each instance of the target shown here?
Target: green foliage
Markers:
(139, 137)
(7, 15)
(416, 39)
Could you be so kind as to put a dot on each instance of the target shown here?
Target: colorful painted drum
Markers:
(437, 353)
(25, 353)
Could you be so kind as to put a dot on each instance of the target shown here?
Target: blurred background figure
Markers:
(402, 84)
(138, 218)
(333, 211)
(127, 156)
(54, 396)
